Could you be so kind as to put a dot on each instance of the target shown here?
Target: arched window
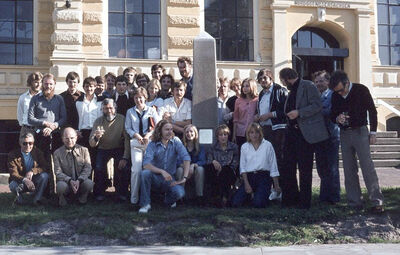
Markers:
(134, 28)
(230, 22)
(16, 32)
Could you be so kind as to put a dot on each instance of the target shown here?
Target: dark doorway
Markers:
(314, 50)
(393, 124)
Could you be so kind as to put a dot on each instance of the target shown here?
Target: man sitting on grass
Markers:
(159, 166)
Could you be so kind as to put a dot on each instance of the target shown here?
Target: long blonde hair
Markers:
(195, 140)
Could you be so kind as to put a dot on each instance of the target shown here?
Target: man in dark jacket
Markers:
(28, 170)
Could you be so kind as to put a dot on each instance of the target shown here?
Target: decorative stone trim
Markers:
(69, 38)
(67, 16)
(185, 21)
(92, 17)
(181, 41)
(92, 39)
(191, 3)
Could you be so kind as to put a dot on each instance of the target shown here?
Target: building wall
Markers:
(76, 39)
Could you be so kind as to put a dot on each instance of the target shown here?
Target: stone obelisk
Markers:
(204, 110)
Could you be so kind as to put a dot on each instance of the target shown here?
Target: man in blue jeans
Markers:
(159, 166)
(28, 170)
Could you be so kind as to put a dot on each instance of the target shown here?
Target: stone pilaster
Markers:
(67, 36)
(364, 47)
(184, 22)
(280, 53)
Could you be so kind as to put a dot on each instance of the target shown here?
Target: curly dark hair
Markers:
(157, 134)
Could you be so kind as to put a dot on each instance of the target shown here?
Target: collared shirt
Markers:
(265, 103)
(23, 107)
(132, 120)
(41, 109)
(28, 161)
(72, 164)
(117, 95)
(165, 157)
(181, 113)
(227, 157)
(244, 113)
(157, 102)
(333, 128)
(350, 86)
(291, 101)
(88, 112)
(222, 109)
(261, 159)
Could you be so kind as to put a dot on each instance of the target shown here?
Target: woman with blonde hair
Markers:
(153, 90)
(198, 160)
(257, 167)
(245, 110)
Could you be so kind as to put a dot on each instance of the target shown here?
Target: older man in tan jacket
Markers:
(72, 168)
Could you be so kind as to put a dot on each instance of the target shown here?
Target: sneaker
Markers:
(173, 205)
(145, 209)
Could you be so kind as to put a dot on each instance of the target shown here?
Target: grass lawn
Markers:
(117, 224)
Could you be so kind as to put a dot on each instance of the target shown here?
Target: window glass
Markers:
(394, 14)
(317, 41)
(7, 53)
(230, 22)
(395, 55)
(135, 29)
(16, 32)
(389, 32)
(304, 39)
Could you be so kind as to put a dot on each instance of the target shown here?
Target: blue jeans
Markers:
(150, 180)
(121, 176)
(260, 182)
(327, 160)
(40, 181)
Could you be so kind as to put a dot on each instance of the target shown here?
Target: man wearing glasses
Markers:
(28, 170)
(350, 104)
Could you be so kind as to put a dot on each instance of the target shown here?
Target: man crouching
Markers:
(72, 168)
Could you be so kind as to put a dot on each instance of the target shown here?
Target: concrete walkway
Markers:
(340, 249)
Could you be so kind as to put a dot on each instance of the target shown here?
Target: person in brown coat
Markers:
(72, 168)
(28, 170)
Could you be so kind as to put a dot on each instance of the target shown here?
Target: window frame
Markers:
(250, 41)
(386, 42)
(16, 42)
(141, 35)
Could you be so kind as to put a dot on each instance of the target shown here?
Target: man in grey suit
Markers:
(306, 131)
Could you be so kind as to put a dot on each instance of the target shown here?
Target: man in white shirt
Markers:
(34, 83)
(177, 109)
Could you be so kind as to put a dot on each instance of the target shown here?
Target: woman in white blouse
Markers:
(139, 124)
(257, 167)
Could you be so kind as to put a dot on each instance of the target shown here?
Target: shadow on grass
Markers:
(185, 225)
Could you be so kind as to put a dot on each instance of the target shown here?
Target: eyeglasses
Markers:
(27, 143)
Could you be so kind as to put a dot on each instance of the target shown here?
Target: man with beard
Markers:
(109, 136)
(306, 130)
(185, 69)
(47, 115)
(34, 84)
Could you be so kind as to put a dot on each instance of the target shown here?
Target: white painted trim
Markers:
(389, 107)
(256, 31)
(35, 33)
(164, 30)
(376, 33)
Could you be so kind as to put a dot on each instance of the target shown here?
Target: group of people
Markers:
(145, 127)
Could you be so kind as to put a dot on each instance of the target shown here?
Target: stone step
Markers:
(381, 147)
(388, 141)
(382, 155)
(387, 134)
(381, 163)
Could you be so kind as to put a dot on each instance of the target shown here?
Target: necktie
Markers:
(140, 116)
(74, 172)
